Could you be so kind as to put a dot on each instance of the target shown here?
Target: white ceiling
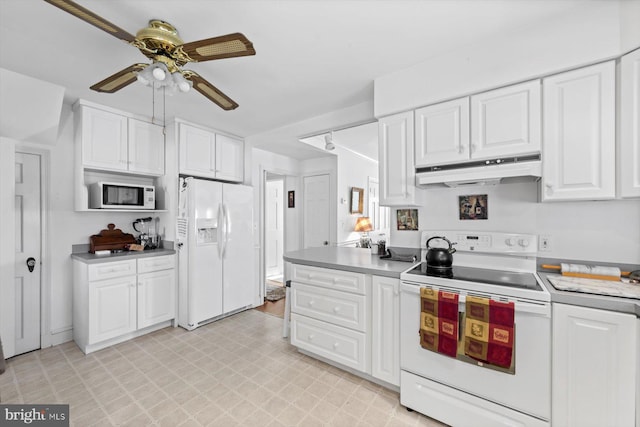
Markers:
(313, 57)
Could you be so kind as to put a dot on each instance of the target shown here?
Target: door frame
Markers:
(281, 180)
(262, 270)
(45, 252)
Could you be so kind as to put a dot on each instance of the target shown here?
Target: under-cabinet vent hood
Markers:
(488, 172)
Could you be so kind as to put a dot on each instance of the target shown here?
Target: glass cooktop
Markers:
(513, 279)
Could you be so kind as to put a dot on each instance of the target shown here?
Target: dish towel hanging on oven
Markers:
(489, 329)
(439, 321)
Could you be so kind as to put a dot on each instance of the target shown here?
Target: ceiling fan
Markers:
(161, 43)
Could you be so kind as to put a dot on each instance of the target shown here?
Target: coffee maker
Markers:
(146, 238)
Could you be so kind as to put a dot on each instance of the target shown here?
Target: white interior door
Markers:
(273, 219)
(316, 208)
(27, 240)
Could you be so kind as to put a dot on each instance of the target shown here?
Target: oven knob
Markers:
(523, 242)
(510, 241)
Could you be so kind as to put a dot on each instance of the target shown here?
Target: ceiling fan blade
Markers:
(97, 21)
(228, 46)
(119, 80)
(210, 91)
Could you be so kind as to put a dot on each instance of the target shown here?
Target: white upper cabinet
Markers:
(506, 121)
(146, 147)
(500, 123)
(442, 133)
(396, 165)
(229, 158)
(630, 125)
(579, 134)
(207, 154)
(104, 140)
(113, 142)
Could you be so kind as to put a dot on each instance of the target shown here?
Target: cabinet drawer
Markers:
(341, 345)
(110, 270)
(328, 278)
(339, 308)
(164, 262)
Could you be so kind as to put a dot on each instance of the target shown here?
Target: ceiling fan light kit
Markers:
(161, 43)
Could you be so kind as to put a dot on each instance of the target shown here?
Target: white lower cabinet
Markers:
(594, 367)
(116, 301)
(348, 318)
(112, 308)
(385, 329)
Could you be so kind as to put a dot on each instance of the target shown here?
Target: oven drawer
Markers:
(329, 278)
(339, 308)
(341, 345)
(457, 408)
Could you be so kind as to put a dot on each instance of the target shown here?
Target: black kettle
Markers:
(440, 257)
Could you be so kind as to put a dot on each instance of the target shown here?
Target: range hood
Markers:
(487, 172)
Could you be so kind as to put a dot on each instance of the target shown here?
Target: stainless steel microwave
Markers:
(115, 195)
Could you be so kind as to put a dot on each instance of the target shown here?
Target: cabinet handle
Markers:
(335, 345)
(336, 309)
(311, 303)
(549, 188)
(310, 337)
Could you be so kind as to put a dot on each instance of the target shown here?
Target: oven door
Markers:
(527, 389)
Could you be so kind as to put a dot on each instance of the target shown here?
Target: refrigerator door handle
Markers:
(225, 213)
(220, 232)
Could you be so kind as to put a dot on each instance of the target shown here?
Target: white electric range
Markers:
(461, 391)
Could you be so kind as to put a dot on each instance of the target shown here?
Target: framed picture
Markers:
(473, 206)
(407, 219)
(357, 196)
(291, 199)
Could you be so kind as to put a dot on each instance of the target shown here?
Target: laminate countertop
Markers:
(89, 258)
(359, 260)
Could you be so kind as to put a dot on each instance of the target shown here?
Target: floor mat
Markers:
(275, 293)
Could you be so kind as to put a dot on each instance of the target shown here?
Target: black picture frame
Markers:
(291, 199)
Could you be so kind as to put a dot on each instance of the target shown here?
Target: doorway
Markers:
(272, 282)
(28, 252)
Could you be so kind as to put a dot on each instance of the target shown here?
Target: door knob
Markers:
(31, 264)
(326, 243)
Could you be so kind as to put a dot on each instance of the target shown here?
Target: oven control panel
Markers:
(484, 241)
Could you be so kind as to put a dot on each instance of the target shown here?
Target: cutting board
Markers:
(597, 287)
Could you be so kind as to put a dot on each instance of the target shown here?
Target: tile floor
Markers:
(238, 371)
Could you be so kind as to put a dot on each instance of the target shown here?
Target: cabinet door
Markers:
(104, 140)
(229, 158)
(146, 148)
(579, 134)
(442, 133)
(396, 166)
(197, 151)
(506, 122)
(385, 331)
(594, 367)
(156, 297)
(112, 308)
(630, 125)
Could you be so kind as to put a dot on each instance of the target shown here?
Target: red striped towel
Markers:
(439, 321)
(489, 330)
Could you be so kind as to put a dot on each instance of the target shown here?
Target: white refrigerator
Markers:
(216, 258)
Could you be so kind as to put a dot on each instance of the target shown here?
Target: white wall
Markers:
(587, 33)
(629, 26)
(352, 171)
(604, 231)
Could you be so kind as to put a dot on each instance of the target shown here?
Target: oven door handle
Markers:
(530, 307)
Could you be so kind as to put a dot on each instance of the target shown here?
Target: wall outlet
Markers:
(544, 244)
